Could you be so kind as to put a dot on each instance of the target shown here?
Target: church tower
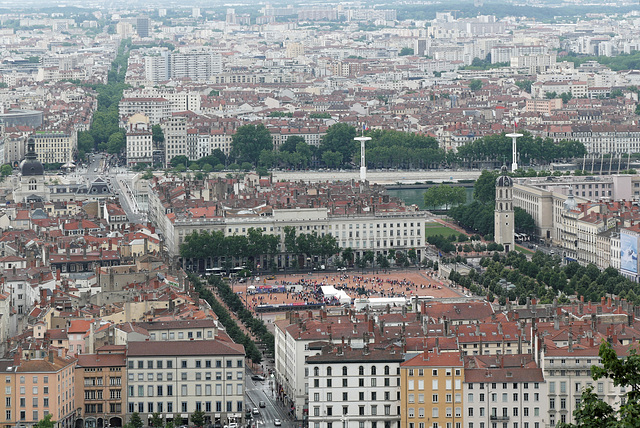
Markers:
(504, 218)
(31, 186)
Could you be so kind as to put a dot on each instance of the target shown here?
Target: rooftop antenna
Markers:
(514, 136)
(363, 165)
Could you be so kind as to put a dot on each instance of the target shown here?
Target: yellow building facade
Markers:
(431, 391)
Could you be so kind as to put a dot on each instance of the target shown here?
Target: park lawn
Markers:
(432, 229)
(523, 250)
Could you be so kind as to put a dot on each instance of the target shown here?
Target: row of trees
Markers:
(202, 246)
(530, 149)
(445, 196)
(233, 302)
(544, 277)
(105, 133)
(232, 328)
(252, 144)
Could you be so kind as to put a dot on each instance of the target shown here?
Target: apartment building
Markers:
(502, 53)
(534, 64)
(292, 349)
(44, 384)
(175, 137)
(203, 375)
(431, 390)
(567, 371)
(8, 416)
(101, 383)
(577, 89)
(196, 65)
(181, 330)
(312, 135)
(156, 67)
(180, 100)
(543, 106)
(297, 340)
(374, 222)
(55, 147)
(139, 140)
(379, 232)
(155, 108)
(355, 388)
(506, 391)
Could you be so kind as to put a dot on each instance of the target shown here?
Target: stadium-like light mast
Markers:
(363, 165)
(514, 136)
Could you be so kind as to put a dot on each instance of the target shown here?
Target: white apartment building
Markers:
(290, 355)
(577, 89)
(354, 388)
(179, 101)
(378, 232)
(139, 140)
(295, 342)
(156, 67)
(534, 64)
(511, 397)
(175, 137)
(180, 139)
(568, 372)
(503, 53)
(190, 375)
(156, 108)
(197, 65)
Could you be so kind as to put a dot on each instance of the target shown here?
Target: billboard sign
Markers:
(629, 252)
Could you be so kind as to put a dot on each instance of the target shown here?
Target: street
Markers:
(257, 391)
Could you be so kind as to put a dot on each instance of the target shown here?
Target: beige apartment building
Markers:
(101, 383)
(44, 384)
(55, 147)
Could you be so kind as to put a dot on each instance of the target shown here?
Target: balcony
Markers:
(499, 418)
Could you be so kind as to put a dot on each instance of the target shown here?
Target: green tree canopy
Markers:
(484, 189)
(475, 84)
(291, 143)
(156, 420)
(249, 141)
(332, 159)
(157, 134)
(340, 138)
(136, 421)
(179, 160)
(444, 195)
(197, 418)
(46, 422)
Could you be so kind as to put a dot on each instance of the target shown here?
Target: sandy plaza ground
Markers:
(396, 283)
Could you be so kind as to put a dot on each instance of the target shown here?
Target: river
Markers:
(415, 196)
